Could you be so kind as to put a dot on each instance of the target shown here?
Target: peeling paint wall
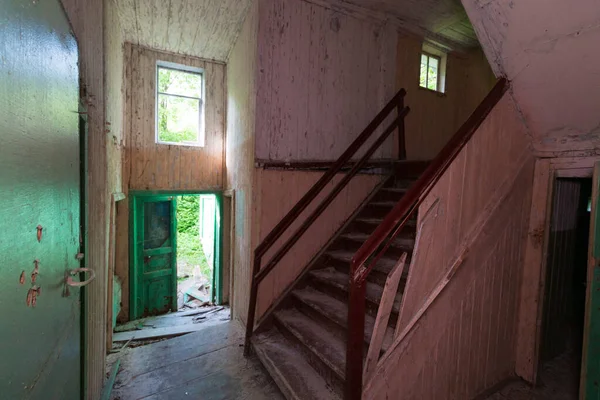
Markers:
(239, 156)
(549, 50)
(86, 17)
(434, 117)
(465, 342)
(323, 75)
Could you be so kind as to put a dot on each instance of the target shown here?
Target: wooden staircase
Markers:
(303, 342)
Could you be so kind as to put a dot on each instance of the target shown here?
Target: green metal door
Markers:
(590, 368)
(154, 250)
(40, 339)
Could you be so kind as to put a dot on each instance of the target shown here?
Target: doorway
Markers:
(563, 315)
(175, 252)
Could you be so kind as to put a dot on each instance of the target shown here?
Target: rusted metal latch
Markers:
(72, 273)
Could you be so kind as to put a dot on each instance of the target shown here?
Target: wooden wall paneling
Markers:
(206, 29)
(122, 208)
(532, 286)
(170, 167)
(468, 79)
(559, 279)
(241, 113)
(86, 19)
(453, 316)
(478, 308)
(316, 54)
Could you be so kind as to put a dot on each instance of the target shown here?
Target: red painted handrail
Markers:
(393, 224)
(259, 274)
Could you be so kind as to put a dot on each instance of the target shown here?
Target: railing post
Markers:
(401, 133)
(252, 304)
(355, 343)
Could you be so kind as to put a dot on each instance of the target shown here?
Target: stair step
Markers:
(407, 244)
(294, 376)
(337, 311)
(384, 264)
(330, 349)
(377, 221)
(332, 277)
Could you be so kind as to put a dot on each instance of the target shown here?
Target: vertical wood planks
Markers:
(390, 290)
(322, 78)
(464, 342)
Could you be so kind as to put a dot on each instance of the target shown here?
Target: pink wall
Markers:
(323, 75)
(549, 50)
(465, 341)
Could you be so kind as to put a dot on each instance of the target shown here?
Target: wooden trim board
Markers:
(534, 269)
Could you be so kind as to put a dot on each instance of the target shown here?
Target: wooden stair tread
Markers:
(377, 221)
(294, 376)
(337, 311)
(330, 349)
(384, 264)
(400, 242)
(331, 276)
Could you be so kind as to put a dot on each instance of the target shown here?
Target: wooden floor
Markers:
(559, 380)
(203, 365)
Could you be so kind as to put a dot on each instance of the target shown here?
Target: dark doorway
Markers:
(565, 287)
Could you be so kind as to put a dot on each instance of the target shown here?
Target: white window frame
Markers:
(201, 127)
(432, 50)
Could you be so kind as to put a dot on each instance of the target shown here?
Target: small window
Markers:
(179, 105)
(430, 71)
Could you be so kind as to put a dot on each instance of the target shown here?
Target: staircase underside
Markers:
(302, 343)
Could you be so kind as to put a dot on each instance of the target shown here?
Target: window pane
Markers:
(423, 74)
(178, 119)
(179, 82)
(432, 76)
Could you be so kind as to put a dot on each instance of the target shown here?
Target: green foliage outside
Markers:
(178, 117)
(429, 72)
(189, 248)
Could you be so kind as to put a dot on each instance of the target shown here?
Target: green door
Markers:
(40, 339)
(590, 368)
(154, 264)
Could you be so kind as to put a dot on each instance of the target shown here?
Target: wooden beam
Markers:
(383, 315)
(532, 288)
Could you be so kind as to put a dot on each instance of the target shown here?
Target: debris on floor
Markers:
(171, 324)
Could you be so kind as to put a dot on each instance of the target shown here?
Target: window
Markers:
(430, 72)
(179, 105)
(433, 67)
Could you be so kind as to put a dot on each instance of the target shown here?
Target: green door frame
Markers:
(134, 197)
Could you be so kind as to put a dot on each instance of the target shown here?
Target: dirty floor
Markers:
(559, 380)
(203, 365)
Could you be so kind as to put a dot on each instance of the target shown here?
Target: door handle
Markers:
(76, 271)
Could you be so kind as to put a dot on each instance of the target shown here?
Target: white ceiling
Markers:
(201, 28)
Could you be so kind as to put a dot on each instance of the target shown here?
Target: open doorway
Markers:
(197, 222)
(175, 263)
(565, 288)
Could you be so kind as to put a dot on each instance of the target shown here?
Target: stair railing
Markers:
(258, 272)
(390, 227)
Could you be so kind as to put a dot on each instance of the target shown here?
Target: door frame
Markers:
(217, 295)
(535, 260)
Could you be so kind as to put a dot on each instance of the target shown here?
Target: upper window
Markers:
(430, 72)
(179, 105)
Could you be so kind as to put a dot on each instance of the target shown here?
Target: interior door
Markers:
(154, 261)
(590, 368)
(40, 344)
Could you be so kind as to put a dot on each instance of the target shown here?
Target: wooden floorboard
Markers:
(207, 365)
